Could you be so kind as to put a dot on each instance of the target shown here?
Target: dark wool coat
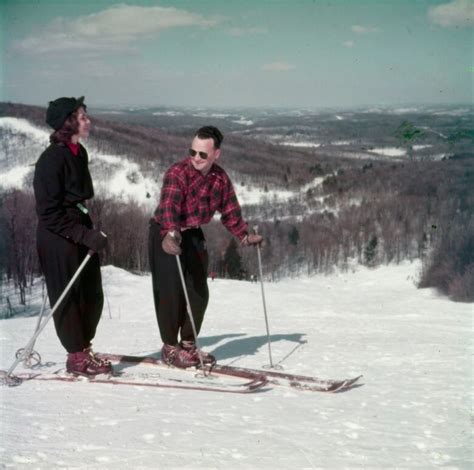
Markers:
(61, 181)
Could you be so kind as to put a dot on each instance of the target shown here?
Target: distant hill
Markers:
(326, 189)
(124, 154)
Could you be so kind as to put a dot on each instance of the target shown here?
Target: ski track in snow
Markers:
(412, 411)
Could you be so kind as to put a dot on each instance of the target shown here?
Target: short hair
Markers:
(210, 132)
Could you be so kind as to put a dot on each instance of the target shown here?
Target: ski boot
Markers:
(177, 357)
(207, 358)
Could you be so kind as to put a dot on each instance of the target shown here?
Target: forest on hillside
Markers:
(365, 211)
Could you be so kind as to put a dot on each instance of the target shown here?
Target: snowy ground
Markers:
(413, 410)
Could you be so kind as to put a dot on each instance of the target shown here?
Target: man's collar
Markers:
(214, 171)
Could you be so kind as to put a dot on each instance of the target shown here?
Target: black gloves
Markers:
(95, 240)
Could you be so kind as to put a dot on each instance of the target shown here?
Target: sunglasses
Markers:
(193, 153)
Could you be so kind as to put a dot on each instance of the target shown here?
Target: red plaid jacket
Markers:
(189, 199)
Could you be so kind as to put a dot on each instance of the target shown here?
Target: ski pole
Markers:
(188, 309)
(263, 299)
(31, 357)
(46, 320)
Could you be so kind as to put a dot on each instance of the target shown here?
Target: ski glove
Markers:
(95, 240)
(252, 239)
(171, 243)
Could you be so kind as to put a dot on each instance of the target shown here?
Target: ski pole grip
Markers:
(91, 251)
(255, 229)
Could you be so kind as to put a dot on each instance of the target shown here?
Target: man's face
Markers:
(84, 123)
(201, 147)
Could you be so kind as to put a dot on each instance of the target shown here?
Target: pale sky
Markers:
(217, 53)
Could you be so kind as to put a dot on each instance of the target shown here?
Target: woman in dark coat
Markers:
(62, 184)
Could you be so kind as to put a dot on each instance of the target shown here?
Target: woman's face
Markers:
(84, 124)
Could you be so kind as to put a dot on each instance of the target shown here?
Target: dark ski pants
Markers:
(77, 317)
(170, 303)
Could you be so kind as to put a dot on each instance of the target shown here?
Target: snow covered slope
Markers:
(413, 410)
(116, 176)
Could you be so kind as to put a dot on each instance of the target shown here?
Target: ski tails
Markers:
(254, 385)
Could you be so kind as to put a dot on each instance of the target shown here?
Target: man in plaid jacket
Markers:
(193, 190)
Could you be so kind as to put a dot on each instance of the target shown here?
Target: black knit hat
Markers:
(59, 110)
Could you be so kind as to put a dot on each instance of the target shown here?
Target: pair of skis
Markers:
(226, 378)
(220, 378)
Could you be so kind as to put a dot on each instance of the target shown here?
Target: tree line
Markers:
(377, 214)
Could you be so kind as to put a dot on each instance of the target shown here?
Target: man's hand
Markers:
(252, 239)
(171, 243)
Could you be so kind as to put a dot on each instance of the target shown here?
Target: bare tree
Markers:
(19, 230)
